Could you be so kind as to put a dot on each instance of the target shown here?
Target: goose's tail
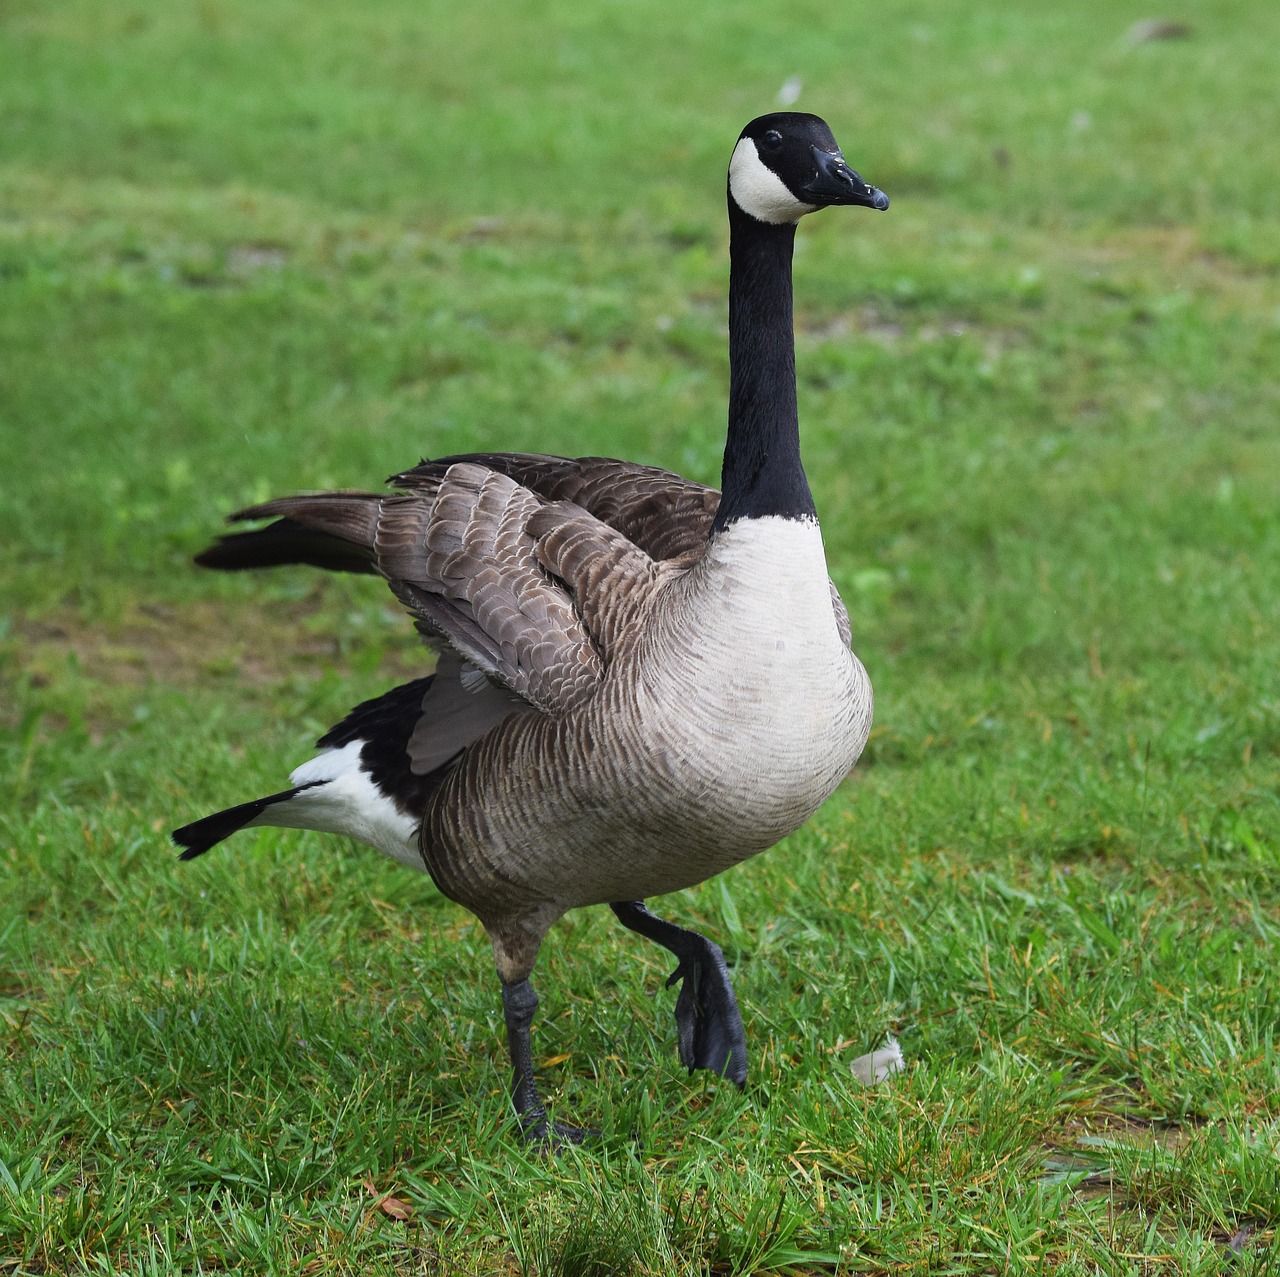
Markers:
(196, 838)
(331, 530)
(363, 783)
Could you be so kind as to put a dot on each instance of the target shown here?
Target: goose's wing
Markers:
(458, 547)
(665, 515)
(457, 551)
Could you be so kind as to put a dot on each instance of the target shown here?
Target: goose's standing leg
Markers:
(519, 1003)
(708, 1022)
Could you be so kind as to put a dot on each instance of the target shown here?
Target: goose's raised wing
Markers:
(665, 515)
(462, 545)
(523, 589)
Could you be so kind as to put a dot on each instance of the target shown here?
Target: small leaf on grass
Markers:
(1238, 1242)
(394, 1207)
(552, 1060)
(387, 1203)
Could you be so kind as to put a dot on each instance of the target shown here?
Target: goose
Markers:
(640, 682)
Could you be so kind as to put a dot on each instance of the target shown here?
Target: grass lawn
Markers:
(252, 248)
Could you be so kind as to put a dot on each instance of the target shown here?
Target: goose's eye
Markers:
(772, 139)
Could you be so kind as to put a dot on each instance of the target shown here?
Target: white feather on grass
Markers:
(875, 1066)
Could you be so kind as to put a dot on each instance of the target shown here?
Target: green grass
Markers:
(246, 249)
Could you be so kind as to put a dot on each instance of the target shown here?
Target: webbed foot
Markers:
(708, 1022)
(549, 1137)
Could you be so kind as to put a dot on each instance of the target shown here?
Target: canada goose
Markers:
(642, 681)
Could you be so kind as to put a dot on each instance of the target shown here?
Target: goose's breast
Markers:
(749, 685)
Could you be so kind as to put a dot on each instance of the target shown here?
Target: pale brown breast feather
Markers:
(842, 616)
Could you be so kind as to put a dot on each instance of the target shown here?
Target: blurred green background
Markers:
(252, 248)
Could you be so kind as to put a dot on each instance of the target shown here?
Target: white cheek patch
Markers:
(758, 191)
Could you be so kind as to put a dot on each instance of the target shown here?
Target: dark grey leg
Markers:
(708, 1022)
(519, 1002)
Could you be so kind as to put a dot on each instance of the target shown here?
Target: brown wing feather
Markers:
(456, 712)
(667, 516)
(337, 534)
(611, 578)
(459, 553)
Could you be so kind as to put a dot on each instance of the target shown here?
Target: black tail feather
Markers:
(286, 541)
(197, 837)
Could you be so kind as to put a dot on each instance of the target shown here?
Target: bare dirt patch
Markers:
(187, 644)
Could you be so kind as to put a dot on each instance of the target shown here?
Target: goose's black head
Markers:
(787, 164)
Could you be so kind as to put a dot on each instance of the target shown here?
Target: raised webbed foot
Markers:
(708, 1022)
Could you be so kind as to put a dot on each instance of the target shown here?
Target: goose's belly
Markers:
(723, 730)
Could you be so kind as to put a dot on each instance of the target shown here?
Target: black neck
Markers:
(762, 472)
